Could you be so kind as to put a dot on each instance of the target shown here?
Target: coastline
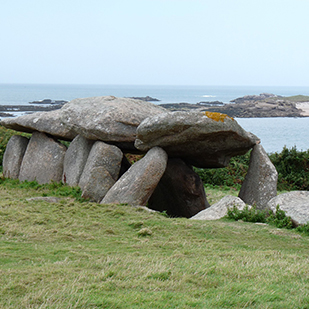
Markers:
(304, 107)
(250, 106)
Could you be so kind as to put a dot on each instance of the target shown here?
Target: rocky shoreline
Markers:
(8, 110)
(255, 106)
(250, 106)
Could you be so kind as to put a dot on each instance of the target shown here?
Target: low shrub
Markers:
(247, 214)
(232, 176)
(278, 219)
(292, 166)
(293, 169)
(303, 229)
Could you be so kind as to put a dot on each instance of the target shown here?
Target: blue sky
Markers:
(158, 42)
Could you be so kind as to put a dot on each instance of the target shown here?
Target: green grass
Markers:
(77, 254)
(298, 98)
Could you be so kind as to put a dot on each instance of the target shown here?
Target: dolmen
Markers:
(102, 132)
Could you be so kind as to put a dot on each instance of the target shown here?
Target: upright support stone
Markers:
(101, 171)
(138, 183)
(260, 184)
(75, 160)
(13, 156)
(43, 160)
(180, 191)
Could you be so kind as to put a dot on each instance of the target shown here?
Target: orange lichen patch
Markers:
(217, 116)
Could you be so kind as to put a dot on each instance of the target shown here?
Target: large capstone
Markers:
(45, 122)
(201, 139)
(108, 119)
(43, 160)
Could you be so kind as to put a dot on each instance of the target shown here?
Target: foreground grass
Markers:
(74, 254)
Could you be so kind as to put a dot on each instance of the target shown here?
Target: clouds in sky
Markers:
(186, 42)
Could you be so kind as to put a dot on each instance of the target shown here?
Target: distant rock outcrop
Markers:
(253, 106)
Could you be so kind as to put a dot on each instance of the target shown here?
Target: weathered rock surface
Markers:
(294, 203)
(138, 183)
(100, 181)
(47, 122)
(202, 140)
(75, 160)
(43, 160)
(180, 191)
(13, 156)
(98, 118)
(103, 163)
(219, 210)
(260, 184)
(108, 118)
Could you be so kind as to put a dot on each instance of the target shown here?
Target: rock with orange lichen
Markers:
(201, 139)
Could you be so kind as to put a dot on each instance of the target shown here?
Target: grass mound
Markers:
(77, 254)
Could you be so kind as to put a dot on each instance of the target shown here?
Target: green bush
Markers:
(232, 176)
(247, 215)
(303, 229)
(292, 166)
(293, 169)
(278, 219)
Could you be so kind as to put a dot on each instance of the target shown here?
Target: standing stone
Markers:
(180, 191)
(13, 156)
(294, 203)
(138, 183)
(260, 184)
(75, 160)
(98, 185)
(43, 160)
(101, 170)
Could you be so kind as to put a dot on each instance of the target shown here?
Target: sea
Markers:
(275, 133)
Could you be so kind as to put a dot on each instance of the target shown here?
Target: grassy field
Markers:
(75, 254)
